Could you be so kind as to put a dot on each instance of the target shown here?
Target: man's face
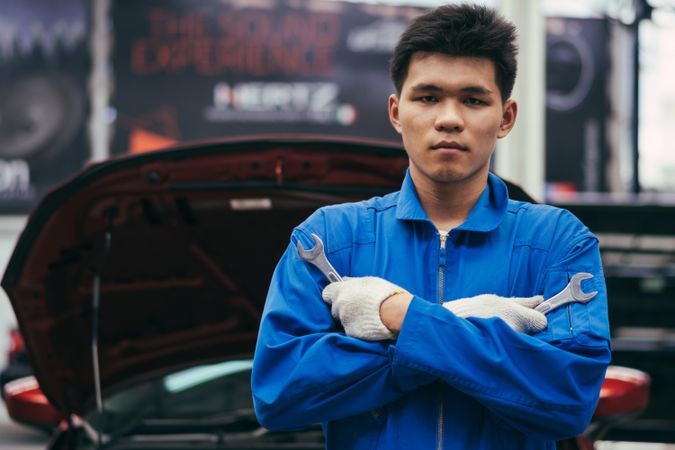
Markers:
(450, 114)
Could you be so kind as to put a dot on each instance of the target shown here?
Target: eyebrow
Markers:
(478, 90)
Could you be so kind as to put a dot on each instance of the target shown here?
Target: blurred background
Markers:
(85, 80)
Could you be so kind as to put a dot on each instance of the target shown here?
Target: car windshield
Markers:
(215, 395)
(209, 406)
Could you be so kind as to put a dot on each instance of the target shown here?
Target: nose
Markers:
(450, 117)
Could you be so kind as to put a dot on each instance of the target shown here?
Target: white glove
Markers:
(355, 302)
(517, 312)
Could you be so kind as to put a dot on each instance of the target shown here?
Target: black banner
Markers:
(188, 69)
(44, 66)
(577, 105)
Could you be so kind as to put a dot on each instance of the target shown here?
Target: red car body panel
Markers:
(27, 404)
(624, 391)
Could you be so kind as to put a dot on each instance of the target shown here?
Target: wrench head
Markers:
(312, 253)
(575, 287)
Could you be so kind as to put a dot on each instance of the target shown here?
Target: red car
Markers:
(138, 286)
(17, 365)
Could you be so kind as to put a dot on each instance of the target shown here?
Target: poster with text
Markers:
(198, 69)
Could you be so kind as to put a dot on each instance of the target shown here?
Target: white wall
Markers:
(10, 227)
(520, 156)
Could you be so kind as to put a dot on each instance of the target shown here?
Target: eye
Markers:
(473, 101)
(427, 99)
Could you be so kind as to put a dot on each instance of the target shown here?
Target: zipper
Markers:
(441, 263)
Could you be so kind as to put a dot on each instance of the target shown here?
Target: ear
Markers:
(393, 113)
(509, 114)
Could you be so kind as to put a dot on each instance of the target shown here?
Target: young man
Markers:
(441, 347)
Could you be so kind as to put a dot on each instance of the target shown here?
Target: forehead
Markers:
(450, 72)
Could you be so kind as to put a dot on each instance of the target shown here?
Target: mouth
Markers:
(449, 145)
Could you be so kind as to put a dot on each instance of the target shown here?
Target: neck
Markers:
(449, 204)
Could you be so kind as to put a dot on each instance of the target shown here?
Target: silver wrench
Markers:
(317, 256)
(572, 293)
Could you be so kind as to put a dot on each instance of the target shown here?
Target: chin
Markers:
(449, 177)
(454, 176)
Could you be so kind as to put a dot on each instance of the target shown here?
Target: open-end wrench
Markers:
(317, 256)
(572, 293)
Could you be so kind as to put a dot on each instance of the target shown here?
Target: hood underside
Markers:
(178, 248)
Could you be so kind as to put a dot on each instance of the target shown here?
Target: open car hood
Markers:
(177, 247)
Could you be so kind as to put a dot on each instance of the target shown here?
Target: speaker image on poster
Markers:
(577, 64)
(44, 64)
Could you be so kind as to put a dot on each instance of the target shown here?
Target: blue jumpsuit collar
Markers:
(486, 215)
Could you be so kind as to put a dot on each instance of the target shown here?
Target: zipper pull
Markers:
(443, 237)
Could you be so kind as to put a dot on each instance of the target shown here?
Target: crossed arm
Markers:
(307, 370)
(372, 308)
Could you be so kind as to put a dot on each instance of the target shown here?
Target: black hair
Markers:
(460, 30)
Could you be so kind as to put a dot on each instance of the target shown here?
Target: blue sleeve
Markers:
(305, 369)
(545, 385)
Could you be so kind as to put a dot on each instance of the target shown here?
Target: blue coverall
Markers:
(446, 382)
